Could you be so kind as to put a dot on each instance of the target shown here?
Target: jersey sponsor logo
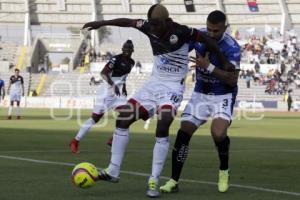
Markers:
(173, 39)
(169, 69)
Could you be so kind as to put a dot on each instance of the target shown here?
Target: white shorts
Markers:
(202, 106)
(15, 96)
(107, 100)
(156, 94)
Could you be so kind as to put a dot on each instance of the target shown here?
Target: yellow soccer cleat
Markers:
(171, 186)
(223, 183)
(152, 189)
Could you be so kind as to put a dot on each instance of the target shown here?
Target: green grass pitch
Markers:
(35, 162)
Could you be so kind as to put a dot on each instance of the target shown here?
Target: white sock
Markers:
(18, 111)
(119, 144)
(160, 153)
(147, 123)
(84, 128)
(10, 108)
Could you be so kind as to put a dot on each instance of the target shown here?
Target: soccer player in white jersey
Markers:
(162, 93)
(112, 93)
(214, 95)
(15, 90)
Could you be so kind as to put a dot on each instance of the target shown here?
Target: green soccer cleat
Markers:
(152, 189)
(223, 183)
(171, 186)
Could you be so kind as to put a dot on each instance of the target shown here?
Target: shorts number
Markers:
(225, 103)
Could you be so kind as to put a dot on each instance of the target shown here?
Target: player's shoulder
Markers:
(132, 61)
(230, 42)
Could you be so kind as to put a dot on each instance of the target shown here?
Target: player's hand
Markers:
(124, 92)
(117, 91)
(91, 25)
(202, 62)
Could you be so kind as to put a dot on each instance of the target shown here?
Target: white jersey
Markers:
(16, 84)
(172, 66)
(170, 51)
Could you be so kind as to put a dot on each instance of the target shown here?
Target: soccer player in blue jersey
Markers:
(214, 95)
(2, 90)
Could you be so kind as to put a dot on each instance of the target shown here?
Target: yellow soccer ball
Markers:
(84, 175)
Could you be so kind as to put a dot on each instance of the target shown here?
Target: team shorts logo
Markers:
(173, 39)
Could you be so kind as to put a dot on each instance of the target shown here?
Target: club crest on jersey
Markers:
(139, 23)
(164, 61)
(173, 39)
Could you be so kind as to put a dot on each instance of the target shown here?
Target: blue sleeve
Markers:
(200, 48)
(191, 46)
(233, 54)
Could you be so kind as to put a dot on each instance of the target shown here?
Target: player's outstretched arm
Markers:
(121, 22)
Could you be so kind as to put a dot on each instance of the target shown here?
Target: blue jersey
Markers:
(208, 84)
(1, 86)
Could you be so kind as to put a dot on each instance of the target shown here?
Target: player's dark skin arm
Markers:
(121, 22)
(230, 78)
(105, 75)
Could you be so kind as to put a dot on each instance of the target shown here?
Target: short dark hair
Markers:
(216, 17)
(17, 70)
(158, 11)
(129, 44)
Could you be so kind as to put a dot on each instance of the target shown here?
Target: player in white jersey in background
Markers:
(15, 90)
(112, 93)
(162, 93)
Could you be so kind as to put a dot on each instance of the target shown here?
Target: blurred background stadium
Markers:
(61, 66)
(43, 39)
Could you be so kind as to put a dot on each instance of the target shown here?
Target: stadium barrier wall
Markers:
(88, 103)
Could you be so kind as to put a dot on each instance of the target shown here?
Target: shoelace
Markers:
(152, 185)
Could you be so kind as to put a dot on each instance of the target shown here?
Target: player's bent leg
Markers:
(179, 155)
(219, 133)
(120, 141)
(74, 143)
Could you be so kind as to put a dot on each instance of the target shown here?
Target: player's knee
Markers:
(125, 119)
(188, 127)
(96, 117)
(218, 135)
(11, 103)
